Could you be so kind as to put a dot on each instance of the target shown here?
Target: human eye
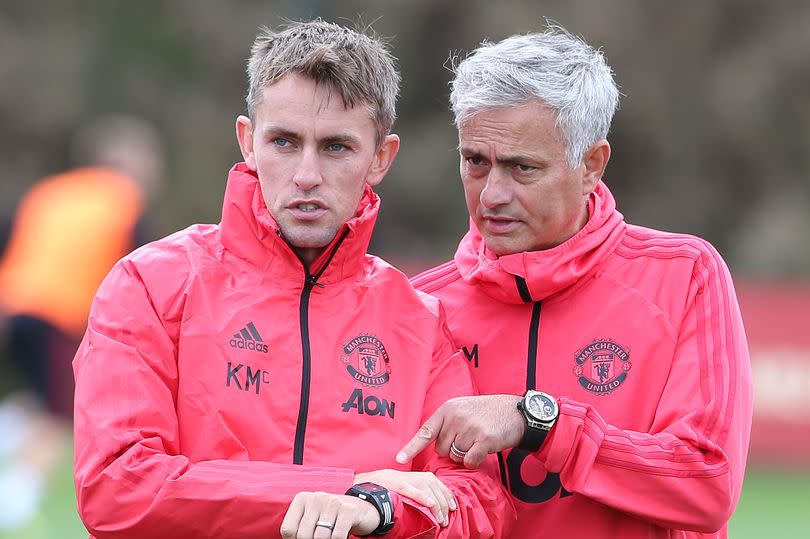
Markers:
(475, 160)
(336, 147)
(281, 142)
(524, 168)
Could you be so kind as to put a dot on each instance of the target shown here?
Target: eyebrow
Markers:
(341, 138)
(279, 132)
(514, 160)
(505, 159)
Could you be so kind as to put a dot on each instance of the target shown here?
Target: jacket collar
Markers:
(250, 232)
(549, 271)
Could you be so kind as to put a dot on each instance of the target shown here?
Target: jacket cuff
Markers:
(560, 439)
(411, 519)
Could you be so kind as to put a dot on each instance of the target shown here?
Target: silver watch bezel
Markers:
(545, 422)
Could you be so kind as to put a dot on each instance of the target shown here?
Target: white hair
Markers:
(559, 69)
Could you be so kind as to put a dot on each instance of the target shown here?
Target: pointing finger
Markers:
(426, 434)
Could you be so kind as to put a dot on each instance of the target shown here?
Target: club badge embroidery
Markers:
(602, 366)
(367, 360)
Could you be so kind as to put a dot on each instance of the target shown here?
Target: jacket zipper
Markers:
(531, 356)
(531, 362)
(310, 281)
(534, 330)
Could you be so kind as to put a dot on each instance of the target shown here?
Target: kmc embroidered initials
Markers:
(247, 380)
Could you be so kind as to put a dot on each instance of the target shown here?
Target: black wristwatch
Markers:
(380, 498)
(540, 410)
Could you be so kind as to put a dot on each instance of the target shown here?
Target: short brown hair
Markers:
(354, 63)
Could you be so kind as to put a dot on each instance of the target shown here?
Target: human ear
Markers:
(594, 161)
(383, 159)
(244, 135)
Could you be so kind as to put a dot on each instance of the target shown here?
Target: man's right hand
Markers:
(310, 511)
(475, 426)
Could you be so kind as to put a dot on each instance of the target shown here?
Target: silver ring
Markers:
(325, 524)
(456, 452)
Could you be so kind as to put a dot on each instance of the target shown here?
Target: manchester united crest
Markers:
(602, 366)
(366, 360)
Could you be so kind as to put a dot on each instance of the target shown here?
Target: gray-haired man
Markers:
(612, 357)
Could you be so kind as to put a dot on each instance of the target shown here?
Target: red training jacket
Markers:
(638, 334)
(218, 377)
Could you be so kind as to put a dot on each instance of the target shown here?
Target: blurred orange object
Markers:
(68, 232)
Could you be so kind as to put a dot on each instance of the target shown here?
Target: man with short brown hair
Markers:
(255, 377)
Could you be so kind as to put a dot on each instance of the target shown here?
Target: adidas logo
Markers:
(249, 339)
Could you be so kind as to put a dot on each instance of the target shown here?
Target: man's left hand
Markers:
(472, 426)
(320, 515)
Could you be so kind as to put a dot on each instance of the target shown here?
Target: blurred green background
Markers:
(712, 137)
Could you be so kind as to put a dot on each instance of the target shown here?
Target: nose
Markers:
(308, 172)
(498, 190)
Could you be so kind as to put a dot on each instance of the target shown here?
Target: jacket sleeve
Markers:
(687, 471)
(131, 479)
(485, 510)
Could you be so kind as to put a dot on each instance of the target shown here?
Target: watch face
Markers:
(373, 487)
(541, 406)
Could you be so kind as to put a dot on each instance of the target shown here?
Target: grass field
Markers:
(775, 505)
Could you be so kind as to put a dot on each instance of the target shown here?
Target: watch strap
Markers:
(382, 501)
(533, 438)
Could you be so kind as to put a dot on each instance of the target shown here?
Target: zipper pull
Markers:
(313, 281)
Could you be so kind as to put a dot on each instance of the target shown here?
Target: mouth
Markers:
(498, 224)
(306, 210)
(307, 206)
(498, 219)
